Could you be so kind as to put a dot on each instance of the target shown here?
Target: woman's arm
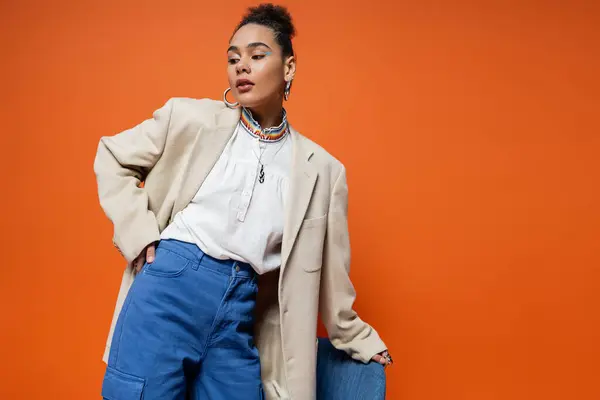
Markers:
(121, 165)
(346, 330)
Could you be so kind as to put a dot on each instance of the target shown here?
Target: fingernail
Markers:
(150, 259)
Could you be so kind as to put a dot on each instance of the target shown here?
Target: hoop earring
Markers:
(228, 104)
(286, 92)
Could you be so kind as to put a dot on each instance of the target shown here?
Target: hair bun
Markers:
(278, 19)
(268, 14)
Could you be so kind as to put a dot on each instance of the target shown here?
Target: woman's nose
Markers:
(242, 67)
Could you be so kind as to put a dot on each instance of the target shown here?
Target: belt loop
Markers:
(198, 262)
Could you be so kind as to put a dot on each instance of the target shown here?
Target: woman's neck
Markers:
(268, 116)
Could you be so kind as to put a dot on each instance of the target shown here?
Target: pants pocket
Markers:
(166, 264)
(120, 386)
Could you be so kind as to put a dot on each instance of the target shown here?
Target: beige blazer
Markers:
(172, 153)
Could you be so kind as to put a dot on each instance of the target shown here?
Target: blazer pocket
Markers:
(313, 222)
(312, 242)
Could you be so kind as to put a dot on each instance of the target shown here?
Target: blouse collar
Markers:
(273, 134)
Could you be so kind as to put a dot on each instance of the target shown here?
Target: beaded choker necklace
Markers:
(273, 134)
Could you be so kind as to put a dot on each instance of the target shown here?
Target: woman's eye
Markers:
(232, 60)
(258, 56)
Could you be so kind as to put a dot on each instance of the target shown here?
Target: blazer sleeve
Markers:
(346, 330)
(122, 163)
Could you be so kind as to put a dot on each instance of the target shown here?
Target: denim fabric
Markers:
(339, 377)
(186, 331)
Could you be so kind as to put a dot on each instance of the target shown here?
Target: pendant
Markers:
(261, 174)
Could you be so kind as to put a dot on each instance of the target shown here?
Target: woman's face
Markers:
(256, 71)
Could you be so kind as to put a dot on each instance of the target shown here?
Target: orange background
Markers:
(471, 137)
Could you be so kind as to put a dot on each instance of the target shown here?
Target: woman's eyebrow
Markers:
(258, 44)
(250, 46)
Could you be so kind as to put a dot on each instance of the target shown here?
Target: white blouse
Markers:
(233, 215)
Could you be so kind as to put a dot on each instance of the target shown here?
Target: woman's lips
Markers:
(244, 85)
(245, 88)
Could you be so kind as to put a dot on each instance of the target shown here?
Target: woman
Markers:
(227, 206)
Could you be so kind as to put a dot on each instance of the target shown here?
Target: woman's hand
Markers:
(147, 255)
(383, 358)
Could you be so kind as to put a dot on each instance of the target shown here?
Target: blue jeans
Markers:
(186, 331)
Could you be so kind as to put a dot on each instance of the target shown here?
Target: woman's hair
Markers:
(275, 17)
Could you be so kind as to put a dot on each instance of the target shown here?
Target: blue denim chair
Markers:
(339, 377)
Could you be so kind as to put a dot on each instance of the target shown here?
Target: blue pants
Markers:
(186, 331)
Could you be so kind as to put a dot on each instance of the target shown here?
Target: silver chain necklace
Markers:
(261, 173)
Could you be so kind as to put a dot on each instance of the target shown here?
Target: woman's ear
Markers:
(289, 68)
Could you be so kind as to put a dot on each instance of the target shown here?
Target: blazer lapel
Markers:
(210, 143)
(303, 179)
